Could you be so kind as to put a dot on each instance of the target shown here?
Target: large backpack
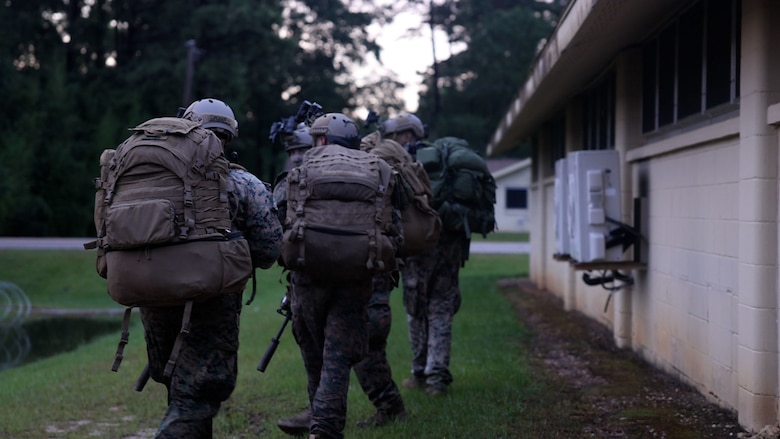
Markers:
(163, 221)
(339, 223)
(464, 191)
(421, 223)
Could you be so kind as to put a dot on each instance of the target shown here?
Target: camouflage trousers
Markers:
(373, 372)
(431, 299)
(330, 326)
(207, 366)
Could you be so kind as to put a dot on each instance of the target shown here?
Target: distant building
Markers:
(513, 178)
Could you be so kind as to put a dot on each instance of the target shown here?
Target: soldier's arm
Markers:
(263, 230)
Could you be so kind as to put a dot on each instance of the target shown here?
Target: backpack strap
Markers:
(383, 187)
(185, 329)
(188, 179)
(123, 339)
(254, 288)
(373, 234)
(300, 223)
(233, 165)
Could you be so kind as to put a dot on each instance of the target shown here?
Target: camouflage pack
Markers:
(464, 191)
(163, 219)
(339, 223)
(421, 223)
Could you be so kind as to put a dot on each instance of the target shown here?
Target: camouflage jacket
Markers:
(252, 212)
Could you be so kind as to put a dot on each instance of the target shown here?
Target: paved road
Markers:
(43, 243)
(78, 244)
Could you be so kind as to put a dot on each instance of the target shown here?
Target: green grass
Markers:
(502, 237)
(74, 394)
(63, 278)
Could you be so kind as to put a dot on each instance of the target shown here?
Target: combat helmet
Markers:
(403, 122)
(300, 138)
(214, 115)
(338, 129)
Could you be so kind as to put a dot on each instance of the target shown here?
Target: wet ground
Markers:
(599, 391)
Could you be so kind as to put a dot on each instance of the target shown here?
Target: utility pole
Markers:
(192, 55)
(435, 85)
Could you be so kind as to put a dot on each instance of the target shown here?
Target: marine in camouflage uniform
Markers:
(207, 366)
(373, 372)
(296, 144)
(431, 299)
(430, 284)
(330, 320)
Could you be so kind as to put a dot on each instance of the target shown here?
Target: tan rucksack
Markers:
(163, 220)
(421, 223)
(339, 215)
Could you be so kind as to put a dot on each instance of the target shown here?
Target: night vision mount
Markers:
(307, 112)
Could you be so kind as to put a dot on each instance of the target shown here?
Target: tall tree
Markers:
(467, 94)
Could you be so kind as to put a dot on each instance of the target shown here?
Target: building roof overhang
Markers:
(587, 39)
(511, 169)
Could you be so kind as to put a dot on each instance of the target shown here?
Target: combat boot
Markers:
(436, 390)
(297, 425)
(415, 382)
(382, 417)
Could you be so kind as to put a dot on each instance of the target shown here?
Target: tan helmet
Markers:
(300, 138)
(214, 114)
(338, 129)
(403, 122)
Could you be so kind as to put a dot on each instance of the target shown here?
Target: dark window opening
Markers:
(599, 115)
(516, 198)
(690, 31)
(557, 129)
(692, 64)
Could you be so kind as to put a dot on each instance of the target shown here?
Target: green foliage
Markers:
(76, 394)
(476, 86)
(77, 74)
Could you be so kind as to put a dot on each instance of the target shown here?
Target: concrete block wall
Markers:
(685, 316)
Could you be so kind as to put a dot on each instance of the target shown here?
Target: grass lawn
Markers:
(75, 394)
(502, 237)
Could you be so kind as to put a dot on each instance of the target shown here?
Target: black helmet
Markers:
(338, 129)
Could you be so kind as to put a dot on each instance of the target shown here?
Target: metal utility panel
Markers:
(593, 198)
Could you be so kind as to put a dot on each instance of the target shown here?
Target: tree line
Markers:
(76, 74)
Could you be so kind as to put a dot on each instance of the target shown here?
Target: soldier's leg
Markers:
(161, 326)
(444, 301)
(346, 343)
(418, 340)
(437, 371)
(206, 369)
(374, 373)
(309, 313)
(416, 278)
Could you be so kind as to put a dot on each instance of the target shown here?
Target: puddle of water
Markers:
(39, 338)
(62, 334)
(25, 338)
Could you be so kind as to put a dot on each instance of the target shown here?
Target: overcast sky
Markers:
(407, 55)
